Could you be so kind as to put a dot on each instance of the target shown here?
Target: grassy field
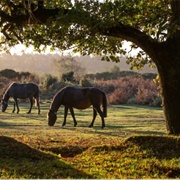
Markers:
(134, 144)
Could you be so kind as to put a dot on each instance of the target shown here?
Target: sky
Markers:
(20, 49)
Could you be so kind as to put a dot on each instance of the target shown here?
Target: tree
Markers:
(9, 73)
(68, 64)
(96, 27)
(68, 77)
(115, 70)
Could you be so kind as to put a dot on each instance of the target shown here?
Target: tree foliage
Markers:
(88, 27)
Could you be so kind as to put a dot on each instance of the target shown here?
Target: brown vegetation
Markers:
(121, 87)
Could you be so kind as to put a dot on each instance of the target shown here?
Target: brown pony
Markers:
(79, 98)
(21, 91)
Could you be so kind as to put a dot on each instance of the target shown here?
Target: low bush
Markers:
(131, 90)
(85, 83)
(47, 81)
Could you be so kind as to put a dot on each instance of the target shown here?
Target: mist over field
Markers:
(45, 63)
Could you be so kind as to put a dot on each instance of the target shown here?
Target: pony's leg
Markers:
(31, 104)
(73, 116)
(38, 105)
(16, 104)
(102, 115)
(14, 107)
(65, 115)
(94, 117)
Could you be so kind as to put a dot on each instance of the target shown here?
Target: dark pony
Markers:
(21, 91)
(79, 98)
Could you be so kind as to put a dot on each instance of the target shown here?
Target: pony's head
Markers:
(51, 116)
(4, 105)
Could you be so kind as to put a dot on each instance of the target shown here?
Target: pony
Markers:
(21, 91)
(79, 98)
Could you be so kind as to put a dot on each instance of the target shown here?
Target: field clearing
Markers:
(122, 120)
(130, 146)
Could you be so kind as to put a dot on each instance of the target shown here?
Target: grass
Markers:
(134, 144)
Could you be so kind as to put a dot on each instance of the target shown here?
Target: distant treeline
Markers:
(11, 74)
(118, 74)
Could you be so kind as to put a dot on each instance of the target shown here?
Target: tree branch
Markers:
(134, 35)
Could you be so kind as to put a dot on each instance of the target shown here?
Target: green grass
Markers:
(134, 144)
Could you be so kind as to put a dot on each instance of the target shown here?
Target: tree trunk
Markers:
(169, 72)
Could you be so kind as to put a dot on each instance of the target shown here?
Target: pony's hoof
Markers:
(90, 126)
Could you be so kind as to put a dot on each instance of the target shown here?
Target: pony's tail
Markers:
(104, 102)
(37, 98)
(36, 102)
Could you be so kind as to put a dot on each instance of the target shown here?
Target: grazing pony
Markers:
(21, 91)
(79, 98)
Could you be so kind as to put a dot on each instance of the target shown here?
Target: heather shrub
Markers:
(119, 96)
(147, 92)
(125, 88)
(106, 86)
(131, 90)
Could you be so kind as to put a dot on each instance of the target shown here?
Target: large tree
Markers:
(100, 27)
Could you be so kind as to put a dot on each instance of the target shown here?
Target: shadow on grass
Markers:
(17, 121)
(6, 125)
(126, 133)
(121, 106)
(67, 151)
(19, 160)
(160, 147)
